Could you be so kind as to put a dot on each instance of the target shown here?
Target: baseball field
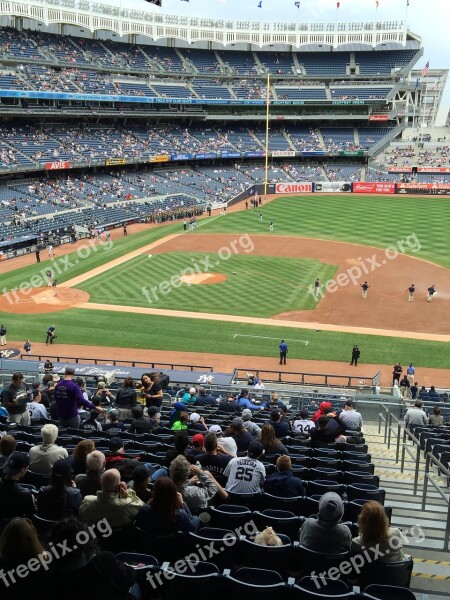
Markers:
(233, 287)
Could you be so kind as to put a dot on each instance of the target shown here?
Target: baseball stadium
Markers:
(241, 226)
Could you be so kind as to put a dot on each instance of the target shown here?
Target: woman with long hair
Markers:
(271, 443)
(126, 399)
(151, 391)
(61, 498)
(166, 512)
(374, 532)
(78, 458)
(19, 543)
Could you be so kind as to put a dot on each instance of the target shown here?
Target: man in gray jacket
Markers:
(325, 533)
(416, 415)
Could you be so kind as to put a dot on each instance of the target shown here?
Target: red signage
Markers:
(378, 118)
(424, 186)
(433, 169)
(400, 170)
(293, 188)
(362, 187)
(59, 164)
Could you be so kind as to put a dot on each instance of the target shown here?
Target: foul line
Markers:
(265, 337)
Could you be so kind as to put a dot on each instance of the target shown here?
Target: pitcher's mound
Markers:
(41, 300)
(203, 278)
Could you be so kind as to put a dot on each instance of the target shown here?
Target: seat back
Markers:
(387, 592)
(219, 545)
(253, 584)
(320, 588)
(193, 580)
(397, 573)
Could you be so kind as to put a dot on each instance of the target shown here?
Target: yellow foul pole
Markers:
(267, 132)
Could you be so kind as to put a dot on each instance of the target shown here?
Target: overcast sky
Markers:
(428, 18)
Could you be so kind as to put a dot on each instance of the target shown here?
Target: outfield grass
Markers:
(103, 328)
(368, 220)
(87, 259)
(263, 286)
(377, 221)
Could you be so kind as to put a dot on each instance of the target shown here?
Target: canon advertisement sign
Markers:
(293, 188)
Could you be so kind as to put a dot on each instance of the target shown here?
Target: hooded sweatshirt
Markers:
(321, 411)
(325, 533)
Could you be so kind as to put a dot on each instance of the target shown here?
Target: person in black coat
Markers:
(283, 483)
(86, 572)
(356, 353)
(61, 498)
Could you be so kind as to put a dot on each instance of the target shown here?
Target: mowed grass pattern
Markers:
(263, 285)
(378, 221)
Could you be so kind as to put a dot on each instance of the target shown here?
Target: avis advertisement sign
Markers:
(293, 188)
(366, 187)
(58, 164)
(333, 186)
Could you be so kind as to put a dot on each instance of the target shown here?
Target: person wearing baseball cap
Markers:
(197, 422)
(15, 500)
(68, 396)
(190, 397)
(114, 427)
(226, 445)
(252, 468)
(351, 418)
(198, 442)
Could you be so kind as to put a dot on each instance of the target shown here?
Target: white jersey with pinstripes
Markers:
(245, 475)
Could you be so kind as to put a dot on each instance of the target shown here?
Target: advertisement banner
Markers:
(378, 118)
(181, 157)
(313, 153)
(56, 165)
(433, 169)
(159, 158)
(363, 187)
(293, 188)
(400, 170)
(206, 155)
(351, 153)
(333, 186)
(115, 161)
(230, 154)
(254, 154)
(432, 189)
(290, 153)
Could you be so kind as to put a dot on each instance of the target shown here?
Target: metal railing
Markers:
(115, 362)
(415, 457)
(428, 478)
(304, 378)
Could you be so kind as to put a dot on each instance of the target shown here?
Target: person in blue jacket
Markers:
(244, 402)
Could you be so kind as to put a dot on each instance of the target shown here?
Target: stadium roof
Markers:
(95, 16)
